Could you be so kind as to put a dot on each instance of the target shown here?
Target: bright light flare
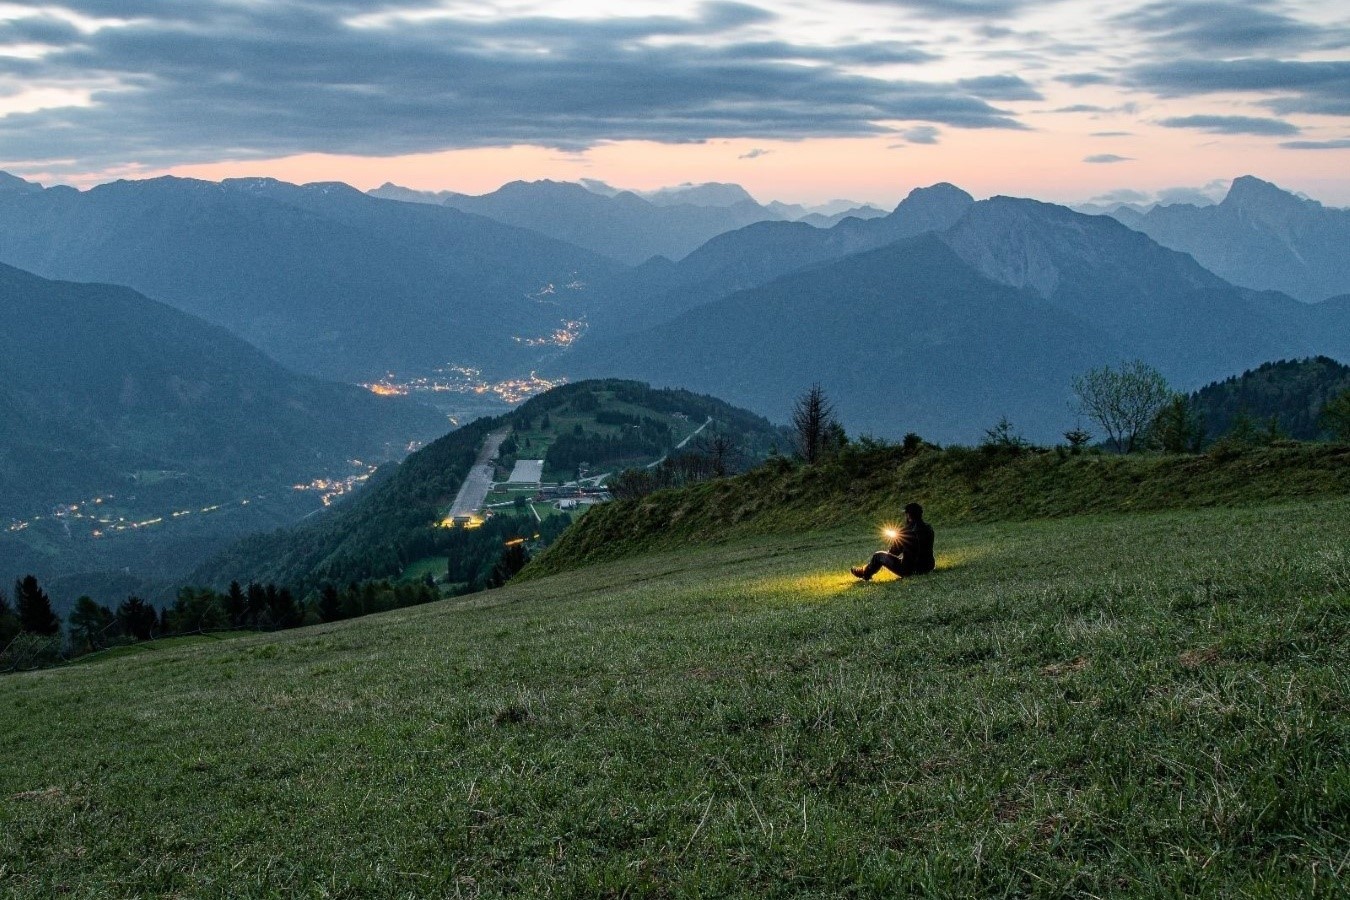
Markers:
(890, 532)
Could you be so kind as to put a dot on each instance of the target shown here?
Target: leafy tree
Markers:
(137, 618)
(35, 608)
(90, 622)
(197, 609)
(1123, 402)
(1178, 428)
(1335, 417)
(814, 428)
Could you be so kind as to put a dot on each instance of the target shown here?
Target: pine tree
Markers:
(9, 622)
(814, 426)
(512, 560)
(35, 608)
(236, 604)
(137, 618)
(330, 603)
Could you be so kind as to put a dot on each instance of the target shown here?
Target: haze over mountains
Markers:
(107, 394)
(324, 278)
(624, 225)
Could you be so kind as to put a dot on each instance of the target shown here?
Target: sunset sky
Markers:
(798, 100)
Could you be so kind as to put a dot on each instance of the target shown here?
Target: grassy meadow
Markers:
(1128, 704)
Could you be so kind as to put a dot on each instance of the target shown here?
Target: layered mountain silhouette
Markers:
(623, 226)
(1259, 237)
(322, 277)
(100, 385)
(990, 315)
(759, 253)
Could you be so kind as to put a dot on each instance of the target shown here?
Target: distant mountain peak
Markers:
(15, 184)
(712, 193)
(1248, 191)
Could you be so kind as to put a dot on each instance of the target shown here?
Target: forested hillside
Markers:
(397, 521)
(1291, 394)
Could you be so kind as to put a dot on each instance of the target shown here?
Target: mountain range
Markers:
(323, 278)
(624, 225)
(1258, 237)
(989, 314)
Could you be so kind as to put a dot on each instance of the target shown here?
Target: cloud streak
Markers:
(1231, 125)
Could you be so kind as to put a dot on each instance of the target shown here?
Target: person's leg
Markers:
(879, 559)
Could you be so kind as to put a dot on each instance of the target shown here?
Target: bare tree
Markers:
(814, 426)
(1123, 402)
(721, 453)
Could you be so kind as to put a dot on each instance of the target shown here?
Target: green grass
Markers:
(1149, 705)
(159, 645)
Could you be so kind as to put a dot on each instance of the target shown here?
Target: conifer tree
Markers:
(137, 618)
(35, 608)
(236, 604)
(330, 603)
(9, 622)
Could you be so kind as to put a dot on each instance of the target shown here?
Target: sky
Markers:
(797, 100)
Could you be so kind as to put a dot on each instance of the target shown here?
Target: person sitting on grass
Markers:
(910, 553)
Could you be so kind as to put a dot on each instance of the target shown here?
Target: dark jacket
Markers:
(914, 546)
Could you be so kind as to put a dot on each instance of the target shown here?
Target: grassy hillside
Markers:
(1114, 705)
(871, 484)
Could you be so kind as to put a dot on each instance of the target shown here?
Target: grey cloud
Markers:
(1226, 27)
(1106, 158)
(1105, 134)
(921, 134)
(755, 153)
(1081, 108)
(1338, 144)
(1231, 125)
(1000, 87)
(1083, 79)
(1320, 88)
(214, 79)
(1187, 77)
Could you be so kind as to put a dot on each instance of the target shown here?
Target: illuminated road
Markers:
(478, 482)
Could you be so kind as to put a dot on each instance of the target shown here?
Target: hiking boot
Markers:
(860, 572)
